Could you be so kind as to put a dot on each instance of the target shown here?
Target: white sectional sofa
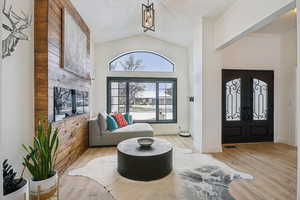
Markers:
(98, 138)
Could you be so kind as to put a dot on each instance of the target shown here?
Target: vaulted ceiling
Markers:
(175, 19)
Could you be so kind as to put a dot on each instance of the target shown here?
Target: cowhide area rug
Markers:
(195, 177)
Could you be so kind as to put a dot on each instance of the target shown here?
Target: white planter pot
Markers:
(44, 190)
(20, 194)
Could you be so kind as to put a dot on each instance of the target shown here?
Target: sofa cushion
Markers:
(120, 120)
(102, 121)
(111, 123)
(135, 128)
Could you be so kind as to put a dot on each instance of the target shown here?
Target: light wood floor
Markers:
(272, 165)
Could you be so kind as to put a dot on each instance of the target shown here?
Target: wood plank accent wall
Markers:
(49, 74)
(41, 59)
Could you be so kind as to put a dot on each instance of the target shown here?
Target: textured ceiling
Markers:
(116, 19)
(281, 25)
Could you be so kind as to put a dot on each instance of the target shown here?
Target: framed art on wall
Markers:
(15, 29)
(75, 47)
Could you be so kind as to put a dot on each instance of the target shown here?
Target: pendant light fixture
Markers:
(148, 13)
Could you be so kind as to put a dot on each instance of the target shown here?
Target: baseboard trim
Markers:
(174, 132)
(284, 141)
(281, 140)
(217, 149)
(165, 134)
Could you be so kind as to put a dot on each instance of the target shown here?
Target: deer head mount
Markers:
(16, 29)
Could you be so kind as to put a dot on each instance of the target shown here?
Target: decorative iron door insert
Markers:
(247, 106)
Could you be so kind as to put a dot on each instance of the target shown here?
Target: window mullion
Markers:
(157, 101)
(127, 96)
(108, 98)
(174, 96)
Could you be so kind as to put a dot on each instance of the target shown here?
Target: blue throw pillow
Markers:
(128, 118)
(111, 123)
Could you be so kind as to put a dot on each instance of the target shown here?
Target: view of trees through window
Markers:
(165, 101)
(142, 100)
(146, 99)
(141, 61)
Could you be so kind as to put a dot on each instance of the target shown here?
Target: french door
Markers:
(247, 106)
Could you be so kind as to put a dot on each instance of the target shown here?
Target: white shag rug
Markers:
(195, 176)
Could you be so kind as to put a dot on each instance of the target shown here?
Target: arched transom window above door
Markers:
(141, 61)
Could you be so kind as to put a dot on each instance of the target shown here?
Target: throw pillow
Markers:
(111, 123)
(102, 121)
(127, 118)
(120, 120)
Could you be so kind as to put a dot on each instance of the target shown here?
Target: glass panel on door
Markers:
(233, 100)
(260, 100)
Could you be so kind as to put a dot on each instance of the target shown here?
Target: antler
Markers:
(8, 15)
(14, 18)
(27, 19)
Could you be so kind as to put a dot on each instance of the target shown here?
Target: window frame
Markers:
(141, 51)
(144, 80)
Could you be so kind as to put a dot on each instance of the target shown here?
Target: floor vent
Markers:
(230, 147)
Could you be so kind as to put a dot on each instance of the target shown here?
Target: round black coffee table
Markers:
(144, 164)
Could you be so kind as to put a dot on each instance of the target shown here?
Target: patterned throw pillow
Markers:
(120, 120)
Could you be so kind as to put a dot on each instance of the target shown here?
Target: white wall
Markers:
(211, 91)
(287, 88)
(17, 93)
(196, 86)
(298, 99)
(191, 86)
(105, 52)
(92, 96)
(1, 134)
(247, 16)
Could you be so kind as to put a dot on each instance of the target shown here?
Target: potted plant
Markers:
(13, 188)
(40, 161)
